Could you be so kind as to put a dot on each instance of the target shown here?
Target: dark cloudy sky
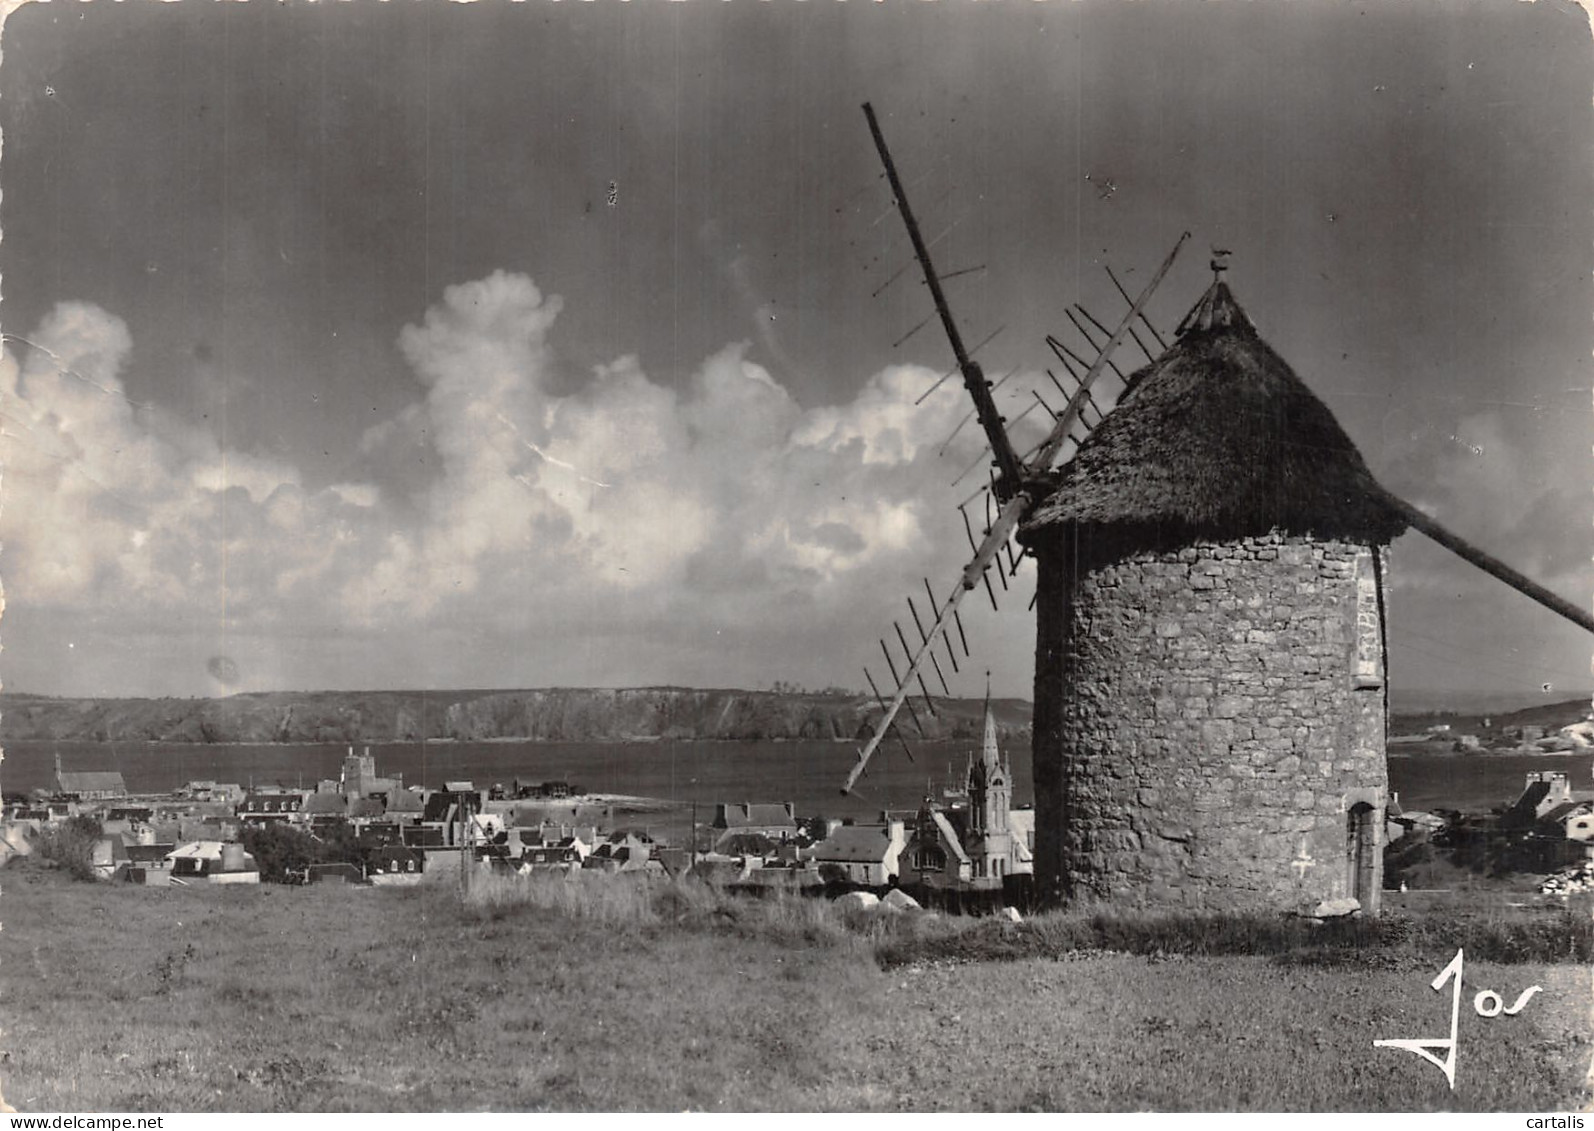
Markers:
(435, 345)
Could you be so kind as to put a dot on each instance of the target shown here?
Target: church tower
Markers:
(990, 804)
(990, 784)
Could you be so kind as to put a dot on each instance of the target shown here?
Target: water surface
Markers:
(808, 773)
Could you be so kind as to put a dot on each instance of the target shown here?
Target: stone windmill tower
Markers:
(1209, 691)
(1210, 697)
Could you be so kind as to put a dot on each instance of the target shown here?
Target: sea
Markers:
(696, 772)
(808, 773)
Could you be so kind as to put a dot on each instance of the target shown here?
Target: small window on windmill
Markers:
(1368, 671)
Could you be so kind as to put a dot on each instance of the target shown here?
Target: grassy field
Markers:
(670, 998)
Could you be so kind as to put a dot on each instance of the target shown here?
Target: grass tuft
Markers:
(609, 900)
(1385, 942)
(689, 905)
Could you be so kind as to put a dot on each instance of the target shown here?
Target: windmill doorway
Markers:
(1361, 853)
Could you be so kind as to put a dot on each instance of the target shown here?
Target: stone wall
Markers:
(1207, 721)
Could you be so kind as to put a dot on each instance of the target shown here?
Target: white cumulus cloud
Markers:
(622, 532)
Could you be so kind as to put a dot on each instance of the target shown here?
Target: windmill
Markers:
(1211, 700)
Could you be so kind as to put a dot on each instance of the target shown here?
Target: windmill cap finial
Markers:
(1217, 309)
(1220, 261)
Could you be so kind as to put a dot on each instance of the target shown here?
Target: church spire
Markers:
(989, 754)
(990, 782)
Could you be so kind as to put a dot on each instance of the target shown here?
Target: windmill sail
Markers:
(973, 378)
(1015, 484)
(1054, 441)
(1012, 511)
(1485, 561)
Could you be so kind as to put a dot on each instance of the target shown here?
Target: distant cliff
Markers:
(547, 715)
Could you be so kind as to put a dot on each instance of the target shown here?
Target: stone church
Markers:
(977, 844)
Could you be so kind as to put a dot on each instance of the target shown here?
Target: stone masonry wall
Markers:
(1206, 720)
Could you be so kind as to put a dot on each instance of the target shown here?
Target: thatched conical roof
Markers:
(1218, 439)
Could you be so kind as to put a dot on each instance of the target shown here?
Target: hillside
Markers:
(543, 715)
(1427, 701)
(1488, 724)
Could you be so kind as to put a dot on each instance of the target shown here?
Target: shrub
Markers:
(283, 852)
(70, 846)
(280, 852)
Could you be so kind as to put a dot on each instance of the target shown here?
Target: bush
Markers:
(281, 853)
(70, 846)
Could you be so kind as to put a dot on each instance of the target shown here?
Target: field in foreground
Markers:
(129, 999)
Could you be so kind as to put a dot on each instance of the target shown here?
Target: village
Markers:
(1486, 736)
(966, 845)
(1542, 841)
(369, 828)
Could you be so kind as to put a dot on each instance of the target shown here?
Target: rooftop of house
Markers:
(198, 850)
(146, 853)
(949, 836)
(1532, 797)
(91, 781)
(405, 801)
(393, 849)
(325, 804)
(855, 844)
(742, 814)
(275, 798)
(548, 855)
(745, 844)
(587, 834)
(1567, 809)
